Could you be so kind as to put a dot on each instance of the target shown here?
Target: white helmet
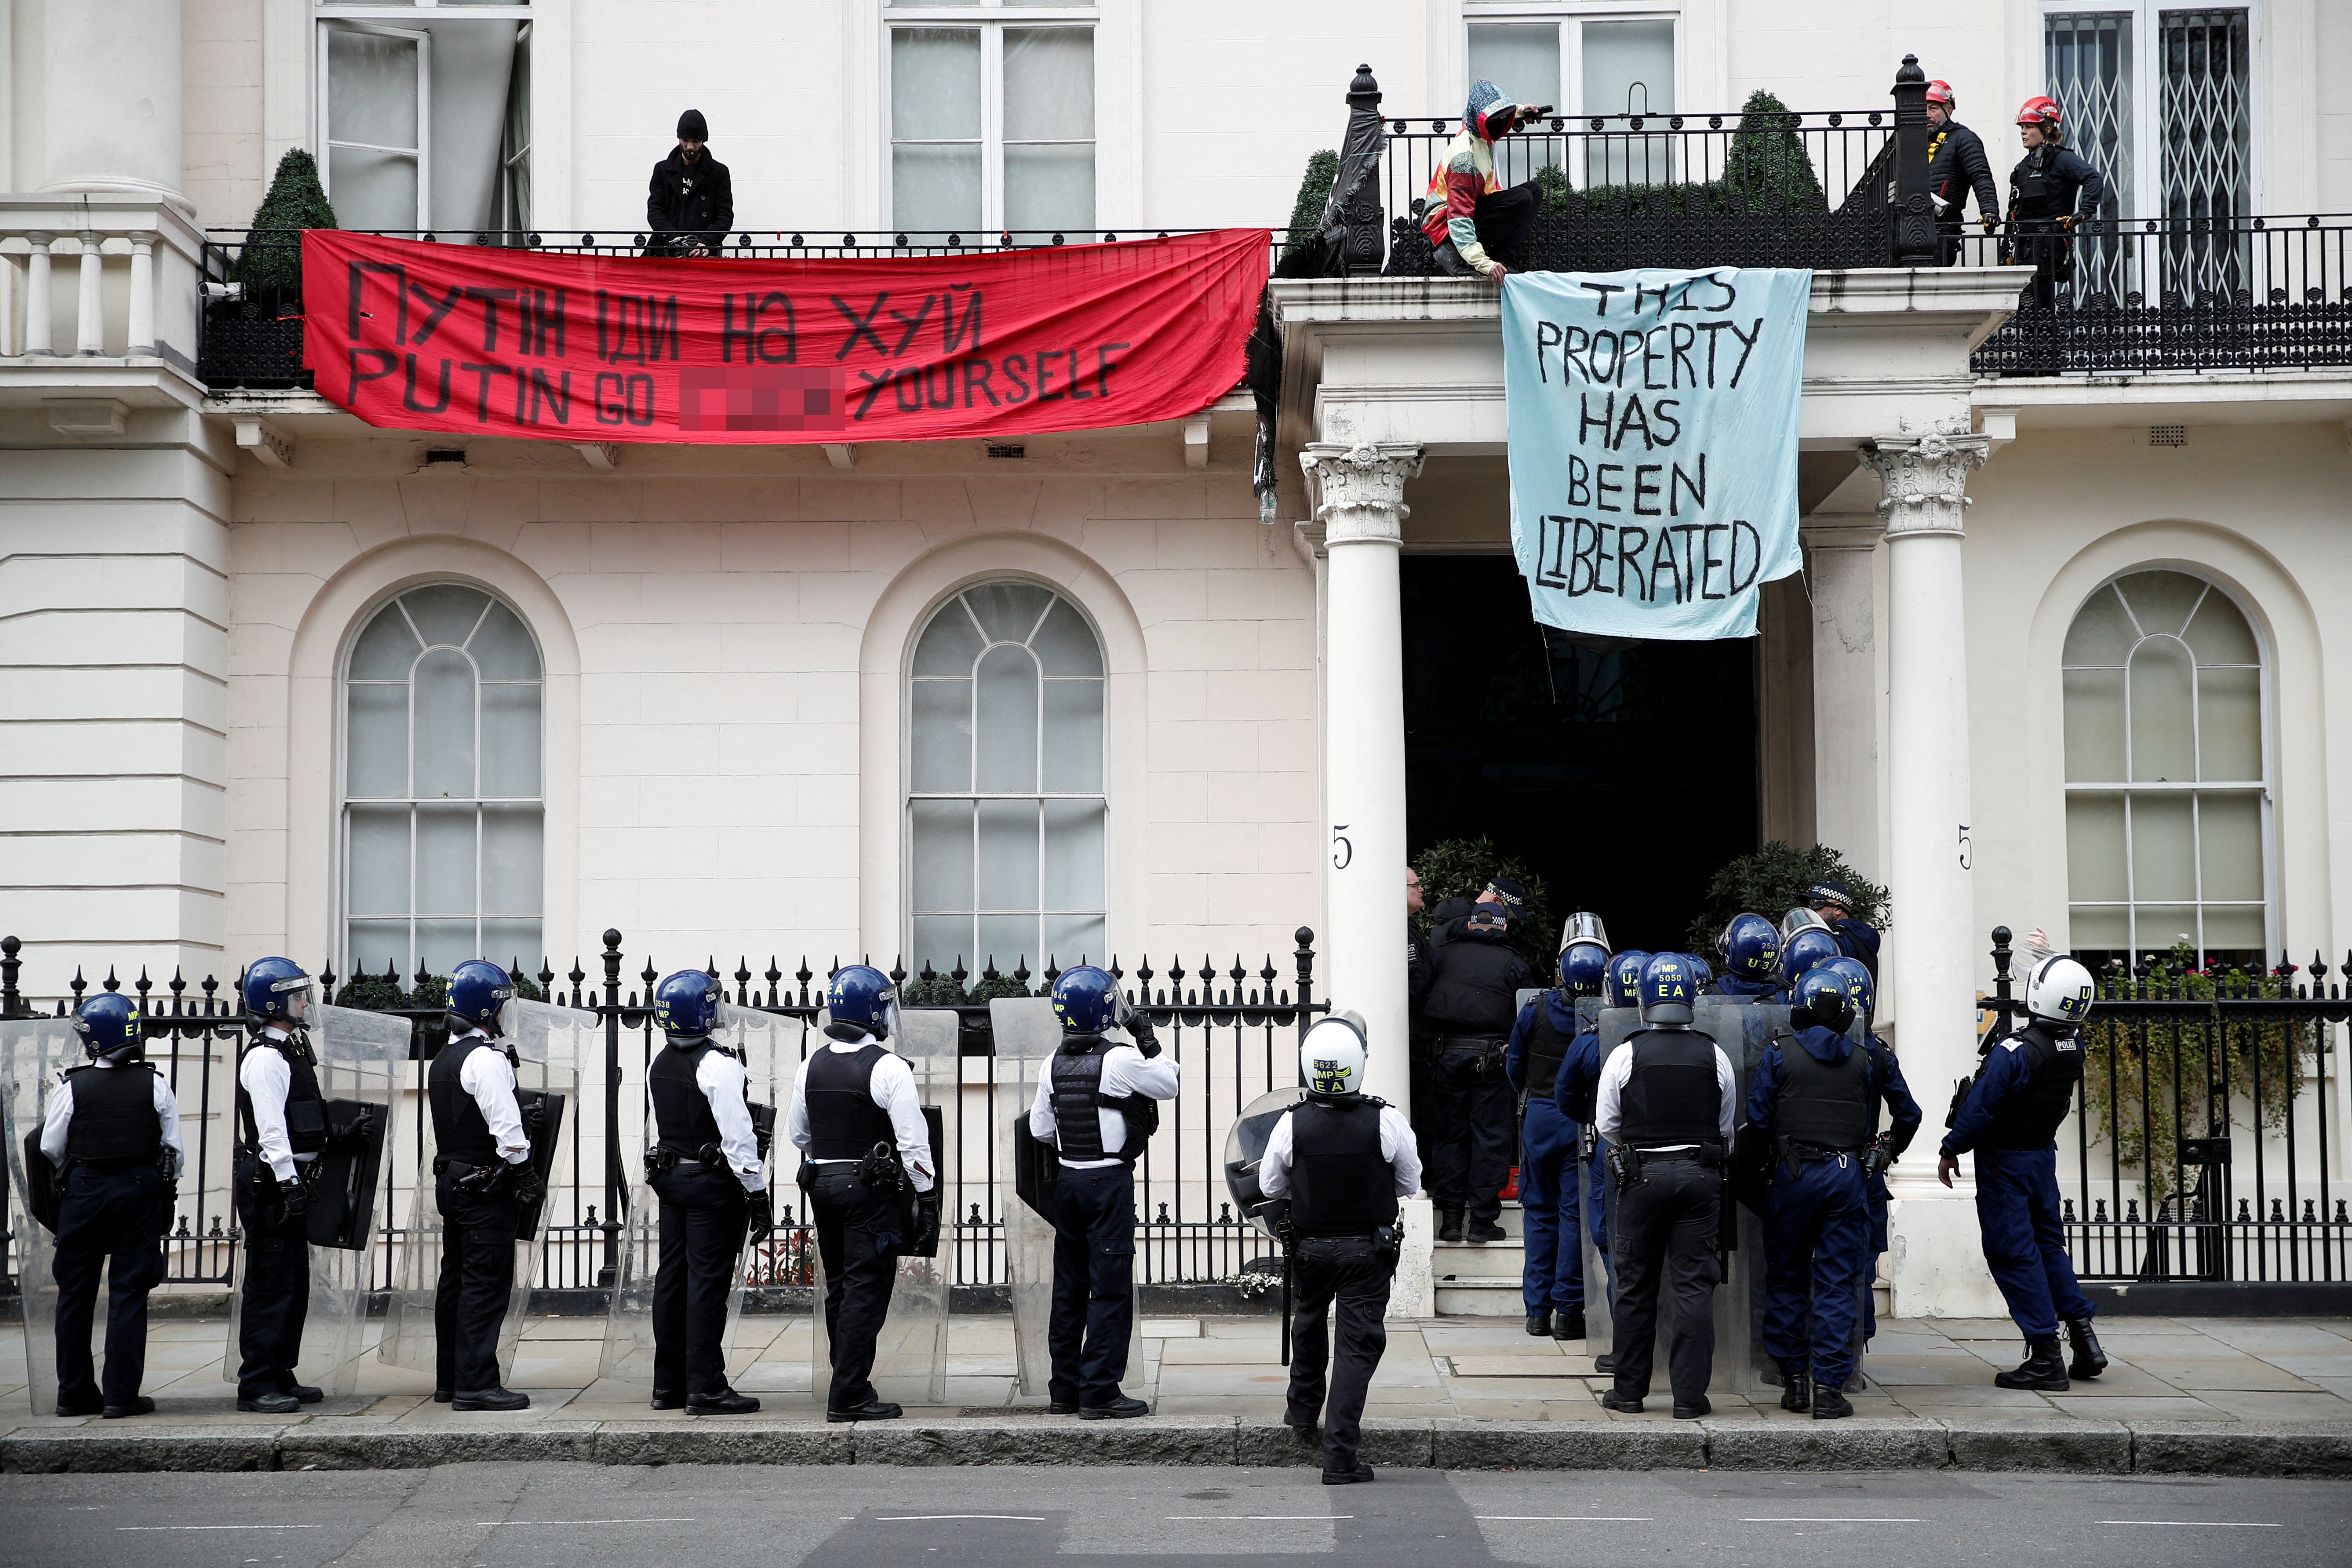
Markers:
(1331, 1057)
(2060, 990)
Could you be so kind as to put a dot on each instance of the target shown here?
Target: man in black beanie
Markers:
(691, 205)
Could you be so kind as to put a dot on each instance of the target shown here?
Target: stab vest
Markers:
(1078, 1098)
(1546, 1049)
(114, 1122)
(459, 1129)
(306, 1108)
(2030, 1117)
(1339, 1183)
(683, 1122)
(844, 1122)
(1474, 987)
(1672, 1095)
(1827, 1107)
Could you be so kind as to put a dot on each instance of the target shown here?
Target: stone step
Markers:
(1471, 1259)
(1513, 1220)
(1480, 1298)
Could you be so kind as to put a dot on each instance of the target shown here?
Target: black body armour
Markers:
(1339, 1183)
(1824, 1107)
(1546, 1049)
(1078, 1095)
(2029, 1117)
(1672, 1095)
(114, 1122)
(1475, 988)
(683, 1122)
(844, 1122)
(306, 1108)
(459, 1129)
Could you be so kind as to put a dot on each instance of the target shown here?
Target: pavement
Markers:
(2247, 1396)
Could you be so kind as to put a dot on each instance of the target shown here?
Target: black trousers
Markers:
(1664, 1237)
(857, 1235)
(1348, 1270)
(1094, 1284)
(1472, 1125)
(1502, 220)
(109, 1220)
(276, 1301)
(478, 1258)
(702, 1214)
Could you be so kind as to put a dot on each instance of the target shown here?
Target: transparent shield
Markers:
(1615, 1023)
(1027, 1036)
(33, 1051)
(1245, 1146)
(363, 1063)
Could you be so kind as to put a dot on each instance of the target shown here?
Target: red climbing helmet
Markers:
(1940, 92)
(2039, 110)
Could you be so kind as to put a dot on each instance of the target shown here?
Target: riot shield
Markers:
(33, 1051)
(549, 1044)
(1614, 1024)
(910, 1355)
(363, 1063)
(1245, 1146)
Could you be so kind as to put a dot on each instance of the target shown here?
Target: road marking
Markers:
(1261, 1518)
(1563, 1518)
(216, 1527)
(2196, 1523)
(1807, 1519)
(916, 1518)
(499, 1522)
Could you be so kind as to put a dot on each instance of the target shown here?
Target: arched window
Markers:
(1004, 798)
(2167, 777)
(443, 808)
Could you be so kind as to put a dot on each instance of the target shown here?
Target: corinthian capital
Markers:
(1360, 488)
(1925, 480)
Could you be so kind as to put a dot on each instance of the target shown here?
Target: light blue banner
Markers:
(1653, 445)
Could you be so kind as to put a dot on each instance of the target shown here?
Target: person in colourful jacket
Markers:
(1466, 212)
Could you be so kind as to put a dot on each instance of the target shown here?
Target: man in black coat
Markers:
(691, 204)
(1956, 166)
(1472, 1002)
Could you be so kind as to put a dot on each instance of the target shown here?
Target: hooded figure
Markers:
(1465, 210)
(690, 202)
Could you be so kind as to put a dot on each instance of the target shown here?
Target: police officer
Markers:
(1097, 1104)
(1750, 946)
(2009, 1119)
(1474, 997)
(482, 1179)
(112, 1130)
(709, 1171)
(1551, 1144)
(855, 1105)
(1666, 1103)
(1832, 900)
(1578, 1098)
(1956, 166)
(1804, 947)
(1887, 1143)
(1342, 1159)
(282, 1130)
(2052, 189)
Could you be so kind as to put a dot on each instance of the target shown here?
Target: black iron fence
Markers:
(1233, 1030)
(2207, 1135)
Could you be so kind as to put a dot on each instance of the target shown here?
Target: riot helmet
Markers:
(1583, 969)
(2061, 991)
(861, 1001)
(1807, 950)
(1800, 920)
(1667, 987)
(478, 990)
(1584, 927)
(686, 1004)
(1751, 947)
(1331, 1057)
(277, 988)
(1858, 983)
(108, 1025)
(1823, 1000)
(1702, 970)
(1086, 1001)
(1623, 988)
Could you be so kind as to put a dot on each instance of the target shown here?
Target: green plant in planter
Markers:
(932, 989)
(1766, 165)
(1314, 194)
(1461, 869)
(1770, 882)
(986, 989)
(296, 201)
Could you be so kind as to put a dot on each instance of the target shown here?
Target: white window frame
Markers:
(2148, 92)
(324, 139)
(990, 18)
(1570, 19)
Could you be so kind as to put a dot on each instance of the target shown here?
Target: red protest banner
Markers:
(416, 336)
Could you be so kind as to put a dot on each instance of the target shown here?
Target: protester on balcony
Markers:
(2050, 191)
(1550, 1160)
(691, 204)
(1956, 166)
(1474, 997)
(1465, 212)
(1833, 901)
(482, 1181)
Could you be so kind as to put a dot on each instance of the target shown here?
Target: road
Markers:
(590, 1516)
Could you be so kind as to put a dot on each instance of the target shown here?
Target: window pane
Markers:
(949, 644)
(1629, 68)
(934, 83)
(1065, 643)
(512, 943)
(2217, 633)
(2229, 723)
(502, 647)
(386, 649)
(1521, 58)
(2160, 601)
(510, 741)
(939, 855)
(1008, 612)
(2162, 867)
(379, 863)
(1074, 854)
(941, 721)
(1074, 736)
(446, 612)
(2095, 725)
(2094, 929)
(1008, 939)
(943, 941)
(1007, 719)
(372, 190)
(1074, 938)
(378, 944)
(2102, 633)
(935, 187)
(1049, 188)
(511, 876)
(2160, 738)
(445, 860)
(1049, 84)
(370, 90)
(2159, 926)
(442, 945)
(2234, 927)
(445, 725)
(1008, 855)
(2229, 846)
(2094, 848)
(376, 746)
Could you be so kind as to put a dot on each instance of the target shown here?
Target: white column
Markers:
(142, 338)
(1934, 1259)
(39, 336)
(111, 76)
(89, 305)
(1840, 560)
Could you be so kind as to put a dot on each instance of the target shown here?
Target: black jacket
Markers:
(2054, 183)
(1475, 987)
(689, 204)
(1957, 165)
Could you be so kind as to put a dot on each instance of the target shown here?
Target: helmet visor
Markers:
(1796, 920)
(1585, 927)
(886, 1024)
(298, 994)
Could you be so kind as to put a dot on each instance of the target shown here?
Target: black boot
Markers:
(2089, 1360)
(1796, 1391)
(1567, 1325)
(2041, 1371)
(1450, 1227)
(1540, 1325)
(1831, 1404)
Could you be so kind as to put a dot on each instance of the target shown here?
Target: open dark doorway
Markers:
(1624, 773)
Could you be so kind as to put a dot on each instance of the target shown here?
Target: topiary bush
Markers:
(1461, 869)
(932, 989)
(1766, 165)
(1314, 194)
(1771, 881)
(296, 201)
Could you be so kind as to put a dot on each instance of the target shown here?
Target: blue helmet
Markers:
(1624, 985)
(108, 1025)
(1806, 950)
(1821, 992)
(1583, 969)
(1700, 967)
(1750, 946)
(861, 1001)
(687, 1004)
(272, 986)
(1858, 983)
(1086, 1000)
(1668, 986)
(478, 990)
